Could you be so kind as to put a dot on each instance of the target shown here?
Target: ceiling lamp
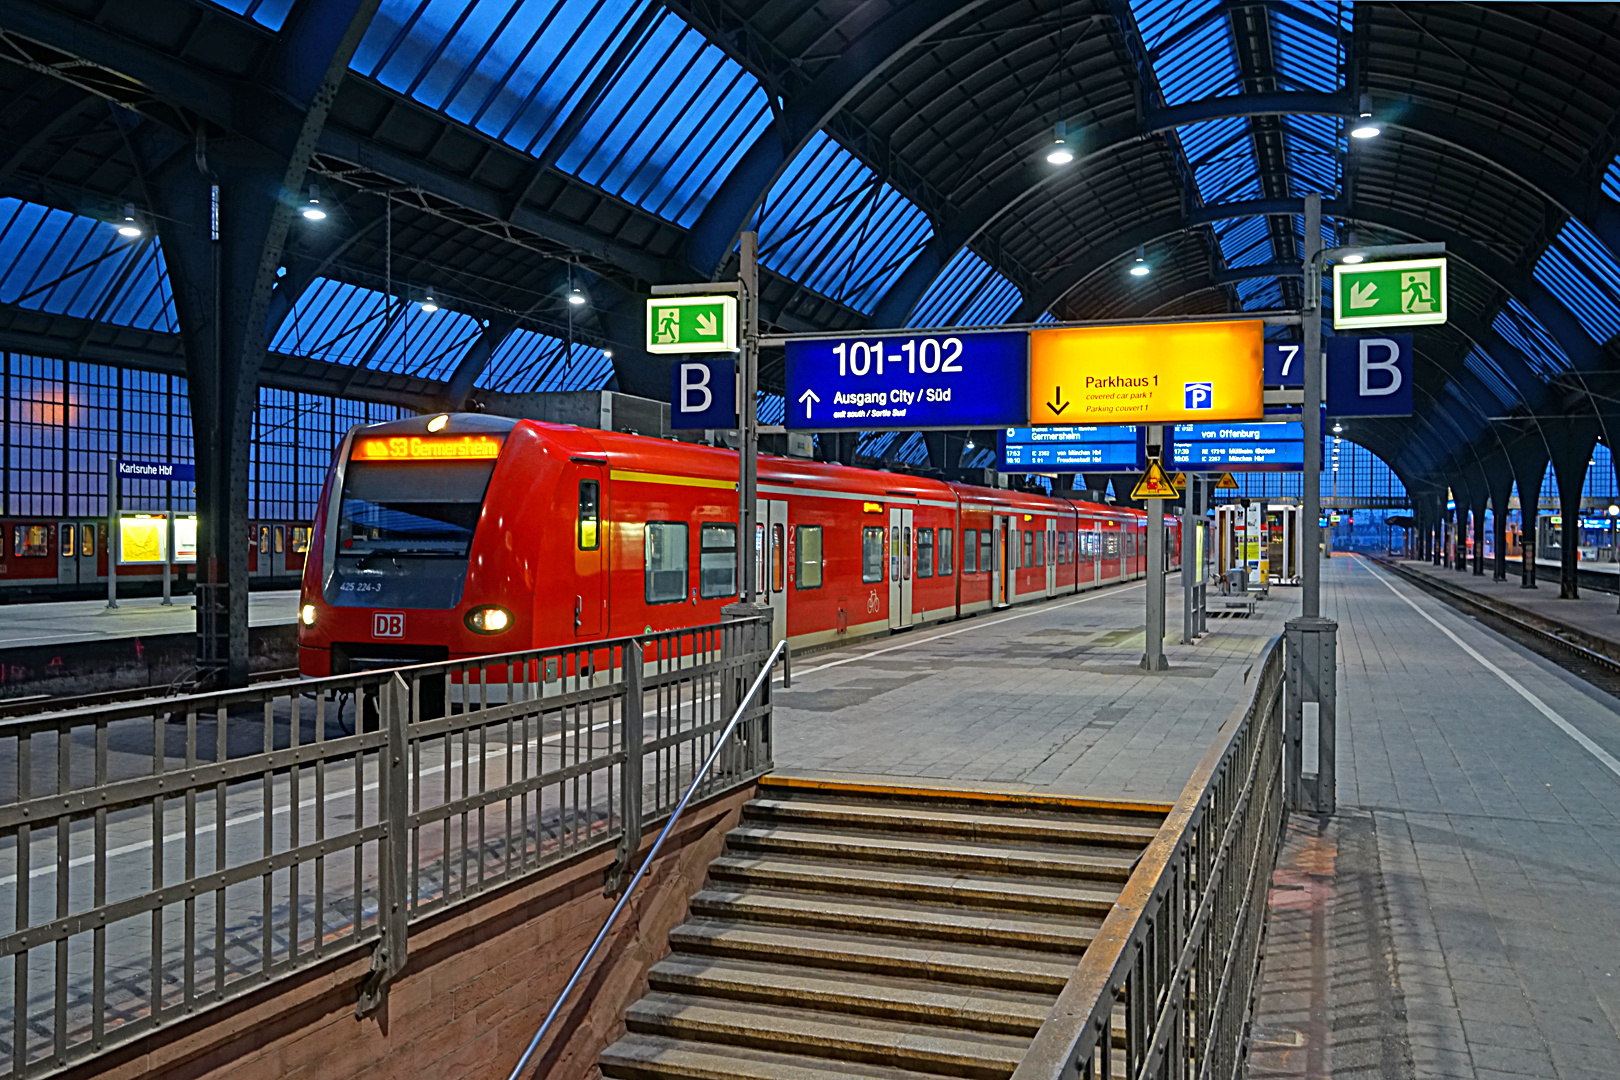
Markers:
(312, 210)
(1365, 126)
(129, 226)
(429, 304)
(1060, 153)
(1140, 267)
(1337, 428)
(576, 297)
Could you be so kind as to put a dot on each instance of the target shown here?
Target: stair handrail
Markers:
(641, 871)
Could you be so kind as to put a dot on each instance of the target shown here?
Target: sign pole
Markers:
(748, 413)
(1311, 283)
(112, 533)
(168, 553)
(1153, 658)
(1189, 571)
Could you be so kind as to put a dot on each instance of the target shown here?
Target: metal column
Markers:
(1311, 560)
(748, 412)
(1312, 711)
(1153, 654)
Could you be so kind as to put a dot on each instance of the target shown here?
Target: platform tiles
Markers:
(1591, 613)
(91, 620)
(1048, 698)
(1460, 915)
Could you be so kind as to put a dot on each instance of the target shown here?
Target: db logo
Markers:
(388, 624)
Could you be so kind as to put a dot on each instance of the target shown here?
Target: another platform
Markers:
(90, 620)
(1590, 616)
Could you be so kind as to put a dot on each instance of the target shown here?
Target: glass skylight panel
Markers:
(1315, 150)
(1305, 46)
(1221, 154)
(1260, 294)
(332, 321)
(1046, 317)
(267, 13)
(831, 225)
(1244, 241)
(914, 451)
(872, 444)
(770, 408)
(1189, 44)
(1611, 179)
(69, 264)
(968, 292)
(529, 362)
(426, 344)
(1580, 272)
(1523, 331)
(1485, 369)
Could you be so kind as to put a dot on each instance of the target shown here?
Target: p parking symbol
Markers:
(1199, 395)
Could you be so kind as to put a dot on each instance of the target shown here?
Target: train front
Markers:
(387, 580)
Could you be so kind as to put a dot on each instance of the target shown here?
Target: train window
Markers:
(985, 550)
(264, 539)
(970, 551)
(872, 553)
(70, 539)
(666, 561)
(590, 514)
(300, 539)
(87, 539)
(778, 558)
(717, 560)
(947, 561)
(1029, 548)
(281, 539)
(905, 554)
(925, 553)
(1040, 548)
(894, 553)
(1111, 545)
(807, 557)
(31, 540)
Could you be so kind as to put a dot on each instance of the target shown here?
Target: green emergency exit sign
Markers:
(692, 324)
(1407, 293)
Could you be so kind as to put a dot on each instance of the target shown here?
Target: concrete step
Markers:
(935, 923)
(1113, 867)
(919, 1047)
(858, 879)
(653, 1057)
(913, 1000)
(1014, 969)
(962, 823)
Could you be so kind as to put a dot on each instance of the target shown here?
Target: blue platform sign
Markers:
(1284, 363)
(1369, 376)
(1099, 448)
(183, 471)
(1237, 447)
(703, 393)
(908, 382)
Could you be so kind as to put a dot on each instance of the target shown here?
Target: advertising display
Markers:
(1278, 447)
(1070, 449)
(142, 539)
(1159, 373)
(185, 538)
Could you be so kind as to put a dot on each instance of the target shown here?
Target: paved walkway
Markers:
(90, 620)
(1045, 698)
(1592, 612)
(1460, 916)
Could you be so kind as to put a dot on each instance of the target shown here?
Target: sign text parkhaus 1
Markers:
(692, 324)
(1407, 293)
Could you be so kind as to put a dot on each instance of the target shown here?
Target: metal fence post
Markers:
(633, 733)
(393, 808)
(1312, 714)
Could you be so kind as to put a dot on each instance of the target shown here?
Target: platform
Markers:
(67, 621)
(1048, 698)
(1591, 615)
(1458, 916)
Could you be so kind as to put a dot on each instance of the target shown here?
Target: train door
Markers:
(900, 568)
(1001, 575)
(1051, 558)
(590, 551)
(771, 561)
(87, 552)
(67, 557)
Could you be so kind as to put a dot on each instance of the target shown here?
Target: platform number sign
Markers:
(388, 624)
(703, 394)
(1285, 363)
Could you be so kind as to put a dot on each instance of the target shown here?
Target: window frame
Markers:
(799, 562)
(970, 543)
(945, 552)
(595, 487)
(925, 567)
(867, 532)
(686, 562)
(705, 550)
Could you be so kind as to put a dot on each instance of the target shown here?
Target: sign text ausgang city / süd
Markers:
(1156, 373)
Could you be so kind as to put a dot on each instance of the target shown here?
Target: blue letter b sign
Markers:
(703, 393)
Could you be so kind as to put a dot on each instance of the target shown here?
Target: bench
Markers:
(1232, 605)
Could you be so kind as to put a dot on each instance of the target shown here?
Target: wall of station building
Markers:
(63, 420)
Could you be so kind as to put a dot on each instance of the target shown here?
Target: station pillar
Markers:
(1311, 721)
(1153, 658)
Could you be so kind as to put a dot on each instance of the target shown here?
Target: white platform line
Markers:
(1608, 759)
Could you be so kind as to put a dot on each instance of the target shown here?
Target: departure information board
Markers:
(1278, 447)
(1070, 449)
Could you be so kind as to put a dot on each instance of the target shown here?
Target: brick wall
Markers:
(478, 982)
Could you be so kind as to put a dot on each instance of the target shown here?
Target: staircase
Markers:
(852, 931)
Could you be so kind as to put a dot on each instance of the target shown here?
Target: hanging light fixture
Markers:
(1365, 126)
(1060, 152)
(1353, 257)
(129, 226)
(608, 353)
(1140, 267)
(429, 304)
(312, 209)
(575, 297)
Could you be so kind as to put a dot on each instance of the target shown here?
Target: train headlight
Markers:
(488, 619)
(306, 614)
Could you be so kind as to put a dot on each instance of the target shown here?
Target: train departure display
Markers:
(1070, 449)
(418, 448)
(1235, 447)
(907, 381)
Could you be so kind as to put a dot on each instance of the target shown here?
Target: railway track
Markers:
(33, 704)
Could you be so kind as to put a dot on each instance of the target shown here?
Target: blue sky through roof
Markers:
(831, 225)
(1244, 241)
(1484, 368)
(1305, 42)
(346, 324)
(1260, 294)
(969, 292)
(1524, 332)
(1189, 44)
(69, 264)
(1580, 272)
(528, 362)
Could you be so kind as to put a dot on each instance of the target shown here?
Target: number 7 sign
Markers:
(1285, 363)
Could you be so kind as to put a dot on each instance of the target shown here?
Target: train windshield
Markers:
(404, 531)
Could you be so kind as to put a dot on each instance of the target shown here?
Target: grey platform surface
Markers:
(1044, 698)
(1460, 916)
(90, 620)
(1592, 612)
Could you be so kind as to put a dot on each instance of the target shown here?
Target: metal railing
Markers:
(722, 744)
(1164, 989)
(169, 855)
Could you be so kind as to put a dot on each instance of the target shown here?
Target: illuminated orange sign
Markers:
(417, 448)
(1152, 373)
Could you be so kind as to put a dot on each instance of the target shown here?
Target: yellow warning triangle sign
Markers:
(1180, 480)
(1227, 482)
(1154, 483)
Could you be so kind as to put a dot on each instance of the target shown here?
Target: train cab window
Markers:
(70, 539)
(1029, 548)
(590, 514)
(778, 558)
(300, 539)
(872, 554)
(717, 560)
(947, 557)
(87, 539)
(807, 557)
(281, 539)
(970, 551)
(30, 541)
(666, 561)
(1040, 548)
(925, 553)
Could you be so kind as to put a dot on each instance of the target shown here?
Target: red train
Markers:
(458, 535)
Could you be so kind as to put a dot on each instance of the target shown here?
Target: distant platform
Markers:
(72, 621)
(1590, 619)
